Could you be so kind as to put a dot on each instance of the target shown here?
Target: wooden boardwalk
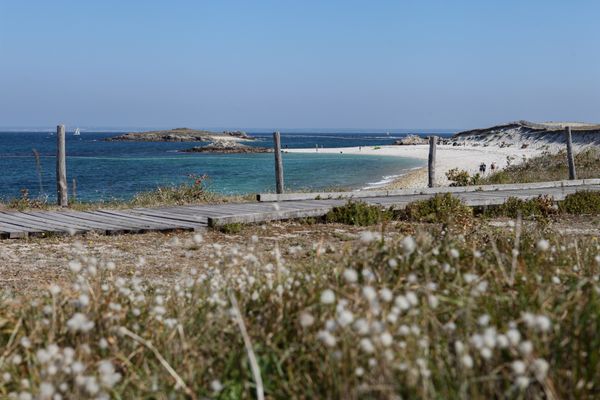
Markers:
(22, 224)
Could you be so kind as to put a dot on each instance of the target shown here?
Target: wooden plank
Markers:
(83, 223)
(151, 219)
(103, 220)
(264, 216)
(10, 231)
(34, 225)
(44, 221)
(60, 219)
(180, 219)
(122, 221)
(134, 222)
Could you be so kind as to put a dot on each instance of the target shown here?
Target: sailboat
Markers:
(77, 133)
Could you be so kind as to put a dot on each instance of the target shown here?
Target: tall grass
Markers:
(485, 314)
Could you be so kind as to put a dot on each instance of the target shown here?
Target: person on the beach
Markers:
(493, 166)
(482, 168)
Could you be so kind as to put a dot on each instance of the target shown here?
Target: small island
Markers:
(227, 147)
(182, 135)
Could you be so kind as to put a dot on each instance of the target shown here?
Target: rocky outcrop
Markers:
(525, 134)
(182, 135)
(410, 140)
(228, 147)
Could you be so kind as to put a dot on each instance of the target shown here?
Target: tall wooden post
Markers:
(431, 162)
(61, 168)
(278, 163)
(570, 157)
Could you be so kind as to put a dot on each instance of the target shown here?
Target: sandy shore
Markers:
(448, 157)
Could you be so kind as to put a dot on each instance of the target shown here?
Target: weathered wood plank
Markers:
(153, 219)
(33, 225)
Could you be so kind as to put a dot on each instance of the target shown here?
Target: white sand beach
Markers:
(448, 157)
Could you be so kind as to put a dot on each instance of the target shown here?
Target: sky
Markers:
(298, 64)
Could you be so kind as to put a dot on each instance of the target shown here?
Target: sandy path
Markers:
(448, 157)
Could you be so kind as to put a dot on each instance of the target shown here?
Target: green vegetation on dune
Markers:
(548, 167)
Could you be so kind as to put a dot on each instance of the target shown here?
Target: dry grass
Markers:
(330, 311)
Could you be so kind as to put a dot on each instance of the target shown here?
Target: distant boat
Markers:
(77, 133)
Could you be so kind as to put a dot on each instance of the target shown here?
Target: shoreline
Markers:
(448, 157)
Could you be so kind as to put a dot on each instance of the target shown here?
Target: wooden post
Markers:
(431, 163)
(570, 158)
(278, 163)
(61, 168)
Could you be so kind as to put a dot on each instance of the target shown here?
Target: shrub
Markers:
(442, 208)
(539, 208)
(585, 202)
(357, 213)
(25, 202)
(231, 228)
(185, 193)
(460, 177)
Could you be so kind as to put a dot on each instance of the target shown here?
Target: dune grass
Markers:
(442, 312)
(547, 167)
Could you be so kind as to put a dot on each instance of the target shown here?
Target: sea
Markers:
(101, 170)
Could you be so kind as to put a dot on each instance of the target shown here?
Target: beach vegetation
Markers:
(539, 208)
(494, 313)
(231, 229)
(358, 213)
(441, 208)
(460, 177)
(581, 203)
(548, 167)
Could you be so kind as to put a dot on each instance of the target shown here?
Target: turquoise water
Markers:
(117, 170)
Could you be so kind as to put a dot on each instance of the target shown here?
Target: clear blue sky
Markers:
(298, 64)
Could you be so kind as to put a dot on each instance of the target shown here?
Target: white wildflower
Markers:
(46, 391)
(80, 322)
(368, 236)
(369, 293)
(543, 323)
(367, 346)
(386, 295)
(522, 382)
(327, 338)
(526, 348)
(514, 336)
(433, 301)
(393, 263)
(108, 376)
(412, 298)
(327, 296)
(386, 339)
(54, 290)
(75, 266)
(345, 317)
(454, 253)
(467, 361)
(216, 385)
(350, 275)
(483, 320)
(306, 319)
(543, 245)
(540, 368)
(408, 245)
(518, 367)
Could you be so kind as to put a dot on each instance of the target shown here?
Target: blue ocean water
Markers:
(117, 170)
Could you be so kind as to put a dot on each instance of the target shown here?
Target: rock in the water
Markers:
(411, 140)
(227, 147)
